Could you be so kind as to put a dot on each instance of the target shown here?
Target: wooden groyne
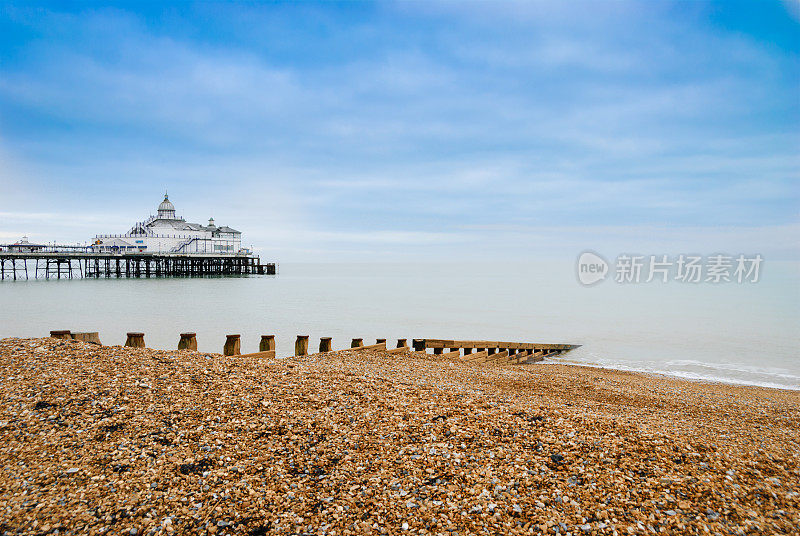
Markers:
(492, 351)
(70, 264)
(497, 352)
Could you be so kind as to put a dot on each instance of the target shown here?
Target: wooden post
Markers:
(267, 343)
(419, 345)
(325, 344)
(188, 341)
(301, 345)
(61, 334)
(402, 343)
(233, 345)
(92, 337)
(135, 340)
(357, 343)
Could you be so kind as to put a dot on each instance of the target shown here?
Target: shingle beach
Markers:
(114, 440)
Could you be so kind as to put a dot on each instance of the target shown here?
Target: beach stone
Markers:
(354, 442)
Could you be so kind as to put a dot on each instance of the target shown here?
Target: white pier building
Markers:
(166, 233)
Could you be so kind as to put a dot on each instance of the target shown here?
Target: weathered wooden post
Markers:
(267, 343)
(378, 341)
(402, 343)
(135, 340)
(61, 334)
(233, 345)
(91, 337)
(188, 341)
(325, 344)
(419, 345)
(357, 343)
(301, 345)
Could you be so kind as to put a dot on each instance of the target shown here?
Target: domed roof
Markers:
(166, 205)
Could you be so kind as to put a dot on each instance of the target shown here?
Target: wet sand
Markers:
(112, 440)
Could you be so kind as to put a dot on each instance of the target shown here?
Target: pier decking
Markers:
(74, 262)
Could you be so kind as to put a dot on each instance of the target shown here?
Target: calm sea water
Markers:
(738, 333)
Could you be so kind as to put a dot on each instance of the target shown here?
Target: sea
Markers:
(737, 333)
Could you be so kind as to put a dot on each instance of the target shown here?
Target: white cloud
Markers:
(551, 121)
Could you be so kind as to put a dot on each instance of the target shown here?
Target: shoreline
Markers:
(565, 361)
(104, 440)
(677, 376)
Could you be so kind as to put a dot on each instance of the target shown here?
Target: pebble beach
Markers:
(114, 440)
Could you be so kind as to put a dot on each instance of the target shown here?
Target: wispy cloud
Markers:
(398, 124)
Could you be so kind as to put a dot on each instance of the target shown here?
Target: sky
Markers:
(398, 131)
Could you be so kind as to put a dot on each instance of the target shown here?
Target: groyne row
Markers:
(478, 351)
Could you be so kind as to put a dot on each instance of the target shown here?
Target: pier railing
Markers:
(73, 263)
(14, 250)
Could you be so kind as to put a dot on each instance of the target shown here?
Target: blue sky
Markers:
(391, 131)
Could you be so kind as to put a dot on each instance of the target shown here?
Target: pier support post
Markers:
(91, 337)
(402, 343)
(135, 340)
(357, 343)
(61, 334)
(325, 344)
(233, 345)
(301, 345)
(188, 341)
(418, 344)
(267, 343)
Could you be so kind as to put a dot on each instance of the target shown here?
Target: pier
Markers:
(70, 262)
(162, 245)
